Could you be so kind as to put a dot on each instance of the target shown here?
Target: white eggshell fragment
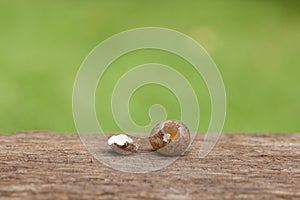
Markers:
(122, 144)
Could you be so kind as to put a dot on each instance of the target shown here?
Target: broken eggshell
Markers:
(123, 144)
(170, 138)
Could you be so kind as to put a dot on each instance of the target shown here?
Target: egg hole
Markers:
(172, 129)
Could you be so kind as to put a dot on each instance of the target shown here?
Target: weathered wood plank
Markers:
(46, 165)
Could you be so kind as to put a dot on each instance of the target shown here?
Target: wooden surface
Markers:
(45, 165)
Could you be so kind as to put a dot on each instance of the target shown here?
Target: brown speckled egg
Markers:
(170, 138)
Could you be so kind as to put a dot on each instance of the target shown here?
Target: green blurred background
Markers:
(256, 45)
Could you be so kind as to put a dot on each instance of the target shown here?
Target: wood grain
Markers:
(46, 165)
